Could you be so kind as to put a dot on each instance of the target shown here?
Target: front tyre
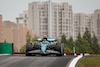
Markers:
(60, 48)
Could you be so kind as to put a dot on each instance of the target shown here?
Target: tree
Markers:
(94, 44)
(63, 39)
(87, 36)
(34, 38)
(70, 43)
(78, 42)
(82, 45)
(85, 46)
(23, 48)
(67, 50)
(79, 36)
(28, 37)
(98, 50)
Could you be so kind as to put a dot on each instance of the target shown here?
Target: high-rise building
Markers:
(14, 33)
(37, 19)
(23, 18)
(0, 28)
(81, 21)
(7, 31)
(62, 19)
(96, 24)
(92, 22)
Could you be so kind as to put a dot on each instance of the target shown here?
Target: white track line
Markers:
(75, 60)
(64, 54)
(4, 54)
(86, 54)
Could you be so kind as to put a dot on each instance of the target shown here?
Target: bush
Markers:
(23, 48)
(67, 50)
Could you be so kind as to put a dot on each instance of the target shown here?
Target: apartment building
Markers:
(81, 21)
(7, 31)
(92, 22)
(62, 19)
(96, 24)
(0, 27)
(23, 18)
(14, 33)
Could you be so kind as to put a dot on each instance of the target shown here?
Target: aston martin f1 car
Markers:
(45, 46)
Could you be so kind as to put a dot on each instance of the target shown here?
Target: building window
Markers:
(21, 18)
(42, 11)
(62, 8)
(66, 19)
(60, 23)
(17, 22)
(70, 9)
(54, 12)
(60, 12)
(54, 15)
(66, 22)
(69, 13)
(32, 7)
(25, 16)
(40, 7)
(25, 22)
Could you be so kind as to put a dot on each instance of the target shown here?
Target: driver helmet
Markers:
(44, 36)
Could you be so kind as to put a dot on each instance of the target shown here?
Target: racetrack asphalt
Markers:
(34, 61)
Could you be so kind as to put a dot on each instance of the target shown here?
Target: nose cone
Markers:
(43, 47)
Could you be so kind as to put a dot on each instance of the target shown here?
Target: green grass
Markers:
(94, 55)
(89, 62)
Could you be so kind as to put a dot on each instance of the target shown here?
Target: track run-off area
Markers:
(34, 61)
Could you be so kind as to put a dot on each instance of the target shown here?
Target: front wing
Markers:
(40, 52)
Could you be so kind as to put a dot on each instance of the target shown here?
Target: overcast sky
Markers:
(10, 9)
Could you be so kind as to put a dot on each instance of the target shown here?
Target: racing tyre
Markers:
(28, 54)
(60, 48)
(28, 48)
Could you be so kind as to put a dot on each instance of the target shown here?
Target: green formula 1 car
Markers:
(45, 46)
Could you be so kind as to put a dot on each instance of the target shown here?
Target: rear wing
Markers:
(48, 39)
(51, 39)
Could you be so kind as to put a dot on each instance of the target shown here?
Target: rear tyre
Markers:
(28, 48)
(28, 54)
(60, 48)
